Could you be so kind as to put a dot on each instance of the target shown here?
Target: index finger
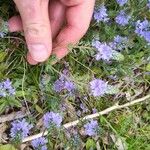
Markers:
(78, 21)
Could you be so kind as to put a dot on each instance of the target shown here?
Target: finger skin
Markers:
(36, 26)
(31, 61)
(57, 16)
(72, 2)
(15, 24)
(77, 25)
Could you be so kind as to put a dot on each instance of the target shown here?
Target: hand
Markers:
(50, 25)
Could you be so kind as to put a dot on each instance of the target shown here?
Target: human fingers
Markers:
(36, 26)
(78, 20)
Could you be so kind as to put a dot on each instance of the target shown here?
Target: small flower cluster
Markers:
(109, 51)
(119, 43)
(64, 84)
(98, 87)
(100, 14)
(6, 89)
(143, 29)
(104, 51)
(40, 144)
(91, 128)
(122, 2)
(3, 28)
(51, 118)
(82, 109)
(20, 129)
(122, 18)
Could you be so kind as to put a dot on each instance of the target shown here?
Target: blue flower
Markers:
(3, 28)
(122, 2)
(91, 128)
(6, 89)
(40, 144)
(94, 110)
(63, 84)
(122, 18)
(119, 43)
(84, 108)
(100, 14)
(51, 119)
(148, 4)
(98, 87)
(2, 34)
(104, 51)
(20, 129)
(143, 29)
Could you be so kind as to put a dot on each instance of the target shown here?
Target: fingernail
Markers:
(38, 52)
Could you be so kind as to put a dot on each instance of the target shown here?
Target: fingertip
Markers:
(15, 24)
(60, 52)
(30, 60)
(39, 52)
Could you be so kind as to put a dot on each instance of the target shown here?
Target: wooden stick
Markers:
(74, 123)
(13, 116)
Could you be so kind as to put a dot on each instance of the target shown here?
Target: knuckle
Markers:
(36, 29)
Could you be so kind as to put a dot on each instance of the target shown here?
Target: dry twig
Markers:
(13, 116)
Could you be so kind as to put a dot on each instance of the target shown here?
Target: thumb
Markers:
(36, 26)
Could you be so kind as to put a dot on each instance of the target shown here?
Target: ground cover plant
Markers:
(108, 68)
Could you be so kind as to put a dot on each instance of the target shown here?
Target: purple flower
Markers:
(119, 43)
(6, 88)
(100, 14)
(63, 84)
(7, 84)
(122, 18)
(3, 28)
(69, 86)
(58, 85)
(143, 29)
(79, 113)
(98, 87)
(94, 110)
(2, 34)
(40, 144)
(96, 44)
(104, 51)
(84, 108)
(122, 2)
(51, 119)
(20, 129)
(91, 128)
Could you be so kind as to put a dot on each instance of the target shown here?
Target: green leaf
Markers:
(2, 56)
(14, 102)
(7, 147)
(117, 56)
(90, 144)
(20, 93)
(39, 109)
(148, 67)
(112, 89)
(2, 107)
